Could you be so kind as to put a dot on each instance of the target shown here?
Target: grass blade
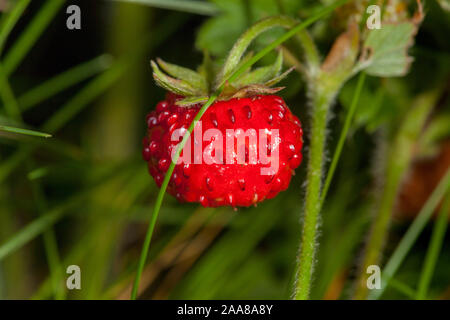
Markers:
(63, 81)
(412, 234)
(24, 131)
(343, 136)
(29, 37)
(10, 20)
(32, 230)
(90, 92)
(434, 248)
(8, 98)
(47, 220)
(197, 7)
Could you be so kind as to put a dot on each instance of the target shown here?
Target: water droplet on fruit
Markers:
(158, 179)
(231, 115)
(276, 184)
(151, 121)
(161, 106)
(163, 164)
(248, 112)
(208, 184)
(162, 116)
(172, 119)
(280, 108)
(230, 199)
(203, 201)
(213, 118)
(146, 154)
(176, 179)
(295, 161)
(269, 179)
(187, 170)
(241, 184)
(153, 147)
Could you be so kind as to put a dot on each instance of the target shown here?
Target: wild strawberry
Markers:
(245, 147)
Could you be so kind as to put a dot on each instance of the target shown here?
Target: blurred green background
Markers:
(84, 197)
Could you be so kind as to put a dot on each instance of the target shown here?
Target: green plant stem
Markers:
(412, 234)
(434, 248)
(342, 137)
(321, 104)
(287, 35)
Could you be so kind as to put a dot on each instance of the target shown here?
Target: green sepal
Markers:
(190, 76)
(262, 74)
(253, 89)
(177, 86)
(190, 101)
(277, 79)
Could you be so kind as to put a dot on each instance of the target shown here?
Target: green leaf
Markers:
(190, 76)
(235, 17)
(385, 51)
(227, 27)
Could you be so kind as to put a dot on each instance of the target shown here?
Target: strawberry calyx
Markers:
(197, 86)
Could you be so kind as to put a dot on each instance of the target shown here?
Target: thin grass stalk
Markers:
(50, 242)
(437, 239)
(93, 90)
(9, 20)
(342, 137)
(31, 34)
(411, 235)
(196, 7)
(63, 81)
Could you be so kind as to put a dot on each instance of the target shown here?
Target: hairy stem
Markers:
(321, 105)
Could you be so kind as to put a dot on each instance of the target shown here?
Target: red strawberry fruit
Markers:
(243, 150)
